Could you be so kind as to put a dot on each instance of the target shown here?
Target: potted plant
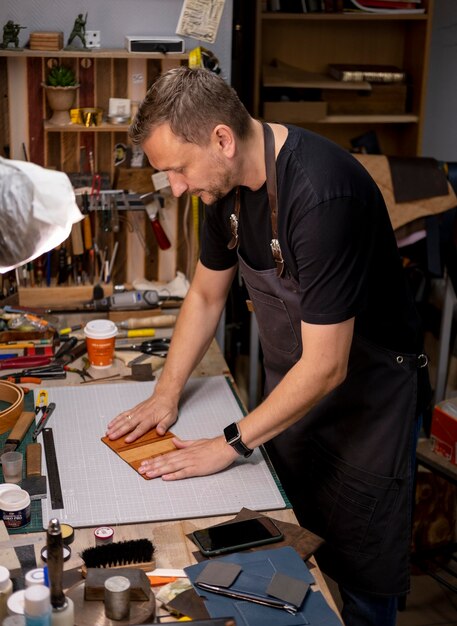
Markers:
(60, 86)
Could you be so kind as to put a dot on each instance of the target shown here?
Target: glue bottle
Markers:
(6, 589)
(37, 606)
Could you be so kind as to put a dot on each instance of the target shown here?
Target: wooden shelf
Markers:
(293, 52)
(407, 118)
(342, 17)
(100, 53)
(105, 127)
(283, 75)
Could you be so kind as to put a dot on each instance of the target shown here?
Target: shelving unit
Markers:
(25, 129)
(311, 42)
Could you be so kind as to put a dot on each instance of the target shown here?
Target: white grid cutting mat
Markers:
(98, 487)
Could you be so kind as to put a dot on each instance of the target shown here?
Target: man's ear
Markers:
(224, 139)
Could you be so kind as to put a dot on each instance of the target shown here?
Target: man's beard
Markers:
(217, 190)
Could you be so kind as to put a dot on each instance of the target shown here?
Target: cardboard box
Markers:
(294, 112)
(444, 429)
(389, 99)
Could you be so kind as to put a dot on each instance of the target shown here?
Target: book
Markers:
(365, 72)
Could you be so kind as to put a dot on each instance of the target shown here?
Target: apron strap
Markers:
(270, 167)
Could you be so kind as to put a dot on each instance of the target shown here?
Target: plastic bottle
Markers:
(6, 589)
(37, 606)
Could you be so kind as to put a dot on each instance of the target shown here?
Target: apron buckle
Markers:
(277, 256)
(234, 228)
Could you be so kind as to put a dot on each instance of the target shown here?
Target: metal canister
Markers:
(117, 597)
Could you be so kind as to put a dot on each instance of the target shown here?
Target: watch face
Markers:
(231, 432)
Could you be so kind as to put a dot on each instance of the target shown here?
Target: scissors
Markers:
(157, 347)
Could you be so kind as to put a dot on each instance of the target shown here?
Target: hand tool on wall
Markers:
(152, 205)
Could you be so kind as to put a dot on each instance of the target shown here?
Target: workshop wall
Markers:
(440, 130)
(115, 19)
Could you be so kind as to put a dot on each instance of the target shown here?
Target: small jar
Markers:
(6, 589)
(16, 603)
(16, 508)
(103, 535)
(35, 577)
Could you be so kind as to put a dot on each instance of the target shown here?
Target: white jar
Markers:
(15, 507)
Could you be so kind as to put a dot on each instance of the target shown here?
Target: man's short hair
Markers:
(192, 102)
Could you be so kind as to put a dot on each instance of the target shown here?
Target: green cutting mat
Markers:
(36, 521)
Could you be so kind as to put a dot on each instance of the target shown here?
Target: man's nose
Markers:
(177, 183)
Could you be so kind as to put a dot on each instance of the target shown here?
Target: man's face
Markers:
(199, 171)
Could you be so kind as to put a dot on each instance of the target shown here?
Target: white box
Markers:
(154, 43)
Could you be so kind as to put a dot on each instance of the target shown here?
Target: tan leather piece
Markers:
(402, 213)
(14, 395)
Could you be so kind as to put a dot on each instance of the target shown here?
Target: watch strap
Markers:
(233, 438)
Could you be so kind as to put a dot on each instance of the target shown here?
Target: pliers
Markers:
(81, 372)
(157, 347)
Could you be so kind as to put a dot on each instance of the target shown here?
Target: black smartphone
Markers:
(236, 535)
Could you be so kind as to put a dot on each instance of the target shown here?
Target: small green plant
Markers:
(61, 76)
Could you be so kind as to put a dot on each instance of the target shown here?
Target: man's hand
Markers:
(156, 411)
(192, 458)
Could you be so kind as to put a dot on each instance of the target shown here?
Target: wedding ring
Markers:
(129, 417)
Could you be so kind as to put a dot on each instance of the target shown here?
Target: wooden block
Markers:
(140, 588)
(33, 459)
(146, 447)
(46, 40)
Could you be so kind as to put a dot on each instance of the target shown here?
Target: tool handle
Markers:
(154, 321)
(65, 348)
(24, 361)
(161, 238)
(20, 428)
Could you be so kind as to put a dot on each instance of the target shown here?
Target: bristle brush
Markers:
(137, 553)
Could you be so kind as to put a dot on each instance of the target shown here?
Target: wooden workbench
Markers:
(173, 548)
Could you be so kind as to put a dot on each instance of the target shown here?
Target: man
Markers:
(339, 332)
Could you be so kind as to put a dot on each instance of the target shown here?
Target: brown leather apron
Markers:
(345, 466)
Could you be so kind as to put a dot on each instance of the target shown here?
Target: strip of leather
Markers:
(14, 396)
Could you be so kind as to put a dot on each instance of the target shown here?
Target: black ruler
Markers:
(55, 488)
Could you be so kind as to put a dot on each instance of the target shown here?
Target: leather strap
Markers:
(14, 395)
(270, 167)
(270, 170)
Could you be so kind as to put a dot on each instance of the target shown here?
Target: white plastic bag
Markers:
(37, 210)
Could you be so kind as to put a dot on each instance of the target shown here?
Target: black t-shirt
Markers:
(336, 239)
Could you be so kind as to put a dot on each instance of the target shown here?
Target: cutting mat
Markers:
(100, 488)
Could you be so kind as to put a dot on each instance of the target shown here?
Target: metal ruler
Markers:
(55, 488)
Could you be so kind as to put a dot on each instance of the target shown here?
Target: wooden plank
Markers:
(36, 110)
(4, 120)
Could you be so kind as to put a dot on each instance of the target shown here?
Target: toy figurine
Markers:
(11, 34)
(79, 30)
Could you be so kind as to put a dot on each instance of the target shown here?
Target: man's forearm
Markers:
(195, 329)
